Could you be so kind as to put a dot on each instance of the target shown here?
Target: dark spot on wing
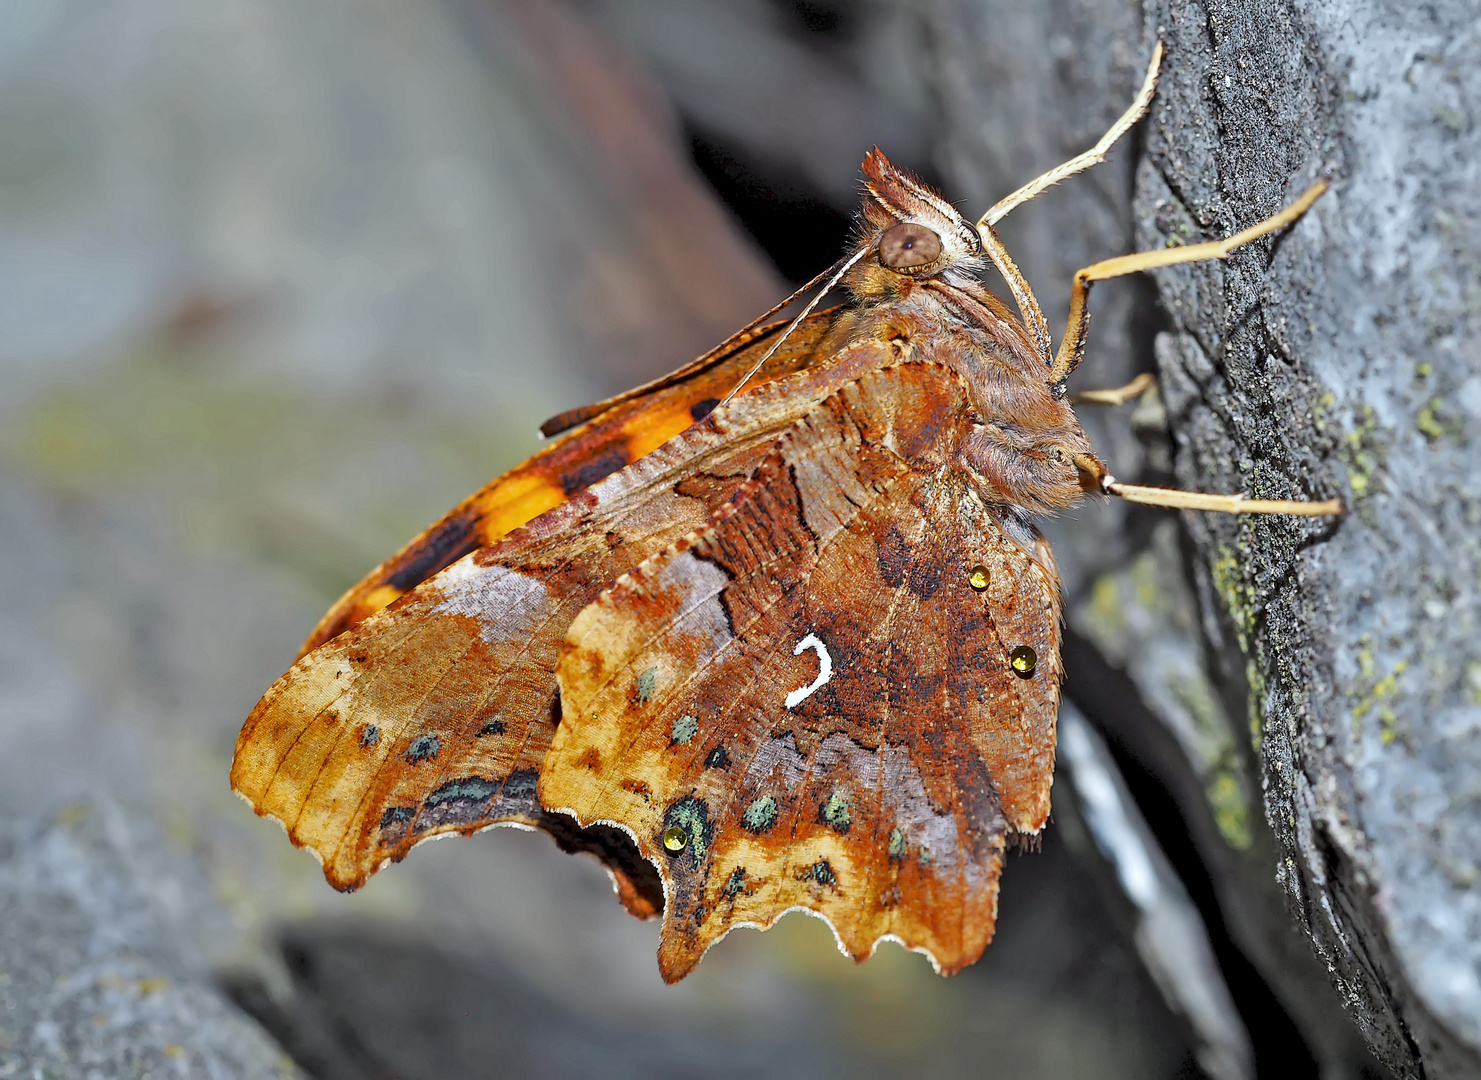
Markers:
(836, 814)
(444, 544)
(370, 736)
(394, 823)
(925, 578)
(604, 464)
(691, 815)
(472, 788)
(397, 814)
(700, 409)
(458, 802)
(520, 785)
(718, 759)
(735, 885)
(914, 441)
(819, 872)
(493, 727)
(571, 417)
(893, 556)
(423, 748)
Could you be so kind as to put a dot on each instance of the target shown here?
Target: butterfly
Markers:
(775, 632)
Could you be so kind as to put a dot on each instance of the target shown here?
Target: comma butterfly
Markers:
(774, 632)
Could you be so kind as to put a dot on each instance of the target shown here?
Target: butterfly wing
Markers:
(434, 715)
(807, 704)
(613, 434)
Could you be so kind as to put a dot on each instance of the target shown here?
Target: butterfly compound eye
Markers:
(908, 246)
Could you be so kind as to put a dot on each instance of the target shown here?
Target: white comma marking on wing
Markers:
(825, 670)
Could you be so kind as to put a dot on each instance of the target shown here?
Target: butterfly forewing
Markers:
(806, 703)
(615, 434)
(435, 714)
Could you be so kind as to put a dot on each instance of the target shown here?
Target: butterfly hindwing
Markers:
(811, 694)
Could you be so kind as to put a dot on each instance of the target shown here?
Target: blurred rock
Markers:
(1170, 935)
(93, 981)
(805, 89)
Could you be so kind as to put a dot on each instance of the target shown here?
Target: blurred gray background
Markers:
(282, 281)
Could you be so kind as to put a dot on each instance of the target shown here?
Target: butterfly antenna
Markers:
(837, 270)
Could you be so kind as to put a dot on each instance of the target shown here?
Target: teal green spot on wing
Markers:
(836, 812)
(897, 845)
(647, 685)
(819, 872)
(760, 815)
(689, 815)
(684, 730)
(474, 787)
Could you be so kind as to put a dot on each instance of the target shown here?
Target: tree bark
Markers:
(1336, 358)
(1339, 359)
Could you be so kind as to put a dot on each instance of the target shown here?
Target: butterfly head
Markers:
(911, 232)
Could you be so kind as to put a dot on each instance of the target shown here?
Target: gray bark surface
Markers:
(1337, 668)
(1340, 359)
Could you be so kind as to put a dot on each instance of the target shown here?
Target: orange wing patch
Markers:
(613, 435)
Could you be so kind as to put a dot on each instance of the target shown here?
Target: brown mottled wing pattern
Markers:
(435, 714)
(613, 434)
(809, 692)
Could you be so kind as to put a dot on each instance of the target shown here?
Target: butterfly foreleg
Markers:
(1100, 479)
(1072, 347)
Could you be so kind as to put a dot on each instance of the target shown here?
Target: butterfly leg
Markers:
(1119, 395)
(1072, 347)
(1096, 477)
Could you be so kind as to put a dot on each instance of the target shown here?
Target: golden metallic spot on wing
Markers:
(1024, 661)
